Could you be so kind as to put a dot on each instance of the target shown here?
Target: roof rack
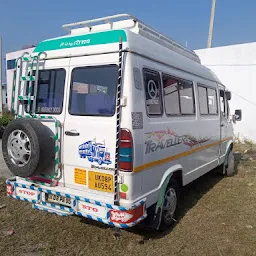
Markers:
(143, 30)
(108, 20)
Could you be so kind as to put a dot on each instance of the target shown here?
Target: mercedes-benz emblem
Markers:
(152, 89)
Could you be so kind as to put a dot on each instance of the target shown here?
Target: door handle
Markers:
(222, 125)
(72, 133)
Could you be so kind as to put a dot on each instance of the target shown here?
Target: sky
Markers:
(26, 22)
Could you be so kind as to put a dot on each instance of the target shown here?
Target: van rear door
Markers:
(90, 127)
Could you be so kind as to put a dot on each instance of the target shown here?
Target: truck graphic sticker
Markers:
(94, 152)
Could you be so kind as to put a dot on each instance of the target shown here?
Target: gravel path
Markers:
(4, 171)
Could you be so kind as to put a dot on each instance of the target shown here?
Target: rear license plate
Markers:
(58, 199)
(101, 181)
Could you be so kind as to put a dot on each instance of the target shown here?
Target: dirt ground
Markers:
(217, 216)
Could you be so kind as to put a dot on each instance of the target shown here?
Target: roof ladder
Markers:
(26, 77)
(26, 73)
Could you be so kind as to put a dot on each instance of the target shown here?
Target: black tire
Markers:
(155, 220)
(41, 147)
(230, 166)
(167, 223)
(2, 128)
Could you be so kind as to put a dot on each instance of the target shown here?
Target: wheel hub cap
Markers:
(19, 148)
(170, 203)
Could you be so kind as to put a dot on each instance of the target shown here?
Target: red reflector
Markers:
(126, 216)
(9, 189)
(122, 195)
(125, 166)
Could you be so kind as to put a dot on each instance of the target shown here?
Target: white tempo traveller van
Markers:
(111, 120)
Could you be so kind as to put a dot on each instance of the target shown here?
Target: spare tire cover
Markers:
(28, 147)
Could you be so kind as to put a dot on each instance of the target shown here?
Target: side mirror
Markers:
(238, 115)
(228, 95)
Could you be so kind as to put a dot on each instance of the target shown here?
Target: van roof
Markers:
(85, 36)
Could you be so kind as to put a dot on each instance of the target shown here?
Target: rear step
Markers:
(52, 210)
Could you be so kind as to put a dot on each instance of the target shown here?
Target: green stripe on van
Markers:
(106, 37)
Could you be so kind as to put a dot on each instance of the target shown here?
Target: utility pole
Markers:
(1, 82)
(209, 45)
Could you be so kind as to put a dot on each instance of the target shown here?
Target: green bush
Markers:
(6, 118)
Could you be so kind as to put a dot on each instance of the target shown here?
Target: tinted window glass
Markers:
(93, 91)
(186, 98)
(171, 95)
(212, 101)
(202, 93)
(207, 100)
(153, 92)
(222, 102)
(178, 96)
(50, 91)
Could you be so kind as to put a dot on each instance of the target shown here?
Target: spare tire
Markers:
(28, 147)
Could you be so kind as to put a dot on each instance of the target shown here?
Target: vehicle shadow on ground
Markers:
(190, 195)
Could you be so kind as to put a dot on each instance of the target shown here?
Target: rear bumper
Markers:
(114, 215)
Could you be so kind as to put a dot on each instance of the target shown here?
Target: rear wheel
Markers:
(169, 205)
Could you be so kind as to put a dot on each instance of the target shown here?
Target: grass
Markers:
(217, 217)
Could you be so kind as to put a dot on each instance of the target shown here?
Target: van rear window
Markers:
(93, 91)
(50, 91)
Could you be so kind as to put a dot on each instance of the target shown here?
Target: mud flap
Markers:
(156, 211)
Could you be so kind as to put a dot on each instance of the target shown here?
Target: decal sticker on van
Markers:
(94, 152)
(163, 139)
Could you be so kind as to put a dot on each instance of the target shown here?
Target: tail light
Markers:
(125, 151)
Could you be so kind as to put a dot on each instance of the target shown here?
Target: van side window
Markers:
(178, 96)
(222, 103)
(153, 92)
(227, 107)
(207, 100)
(212, 101)
(203, 105)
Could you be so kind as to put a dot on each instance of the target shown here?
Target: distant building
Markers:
(10, 68)
(235, 65)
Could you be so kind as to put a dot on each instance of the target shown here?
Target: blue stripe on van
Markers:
(125, 159)
(125, 151)
(125, 155)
